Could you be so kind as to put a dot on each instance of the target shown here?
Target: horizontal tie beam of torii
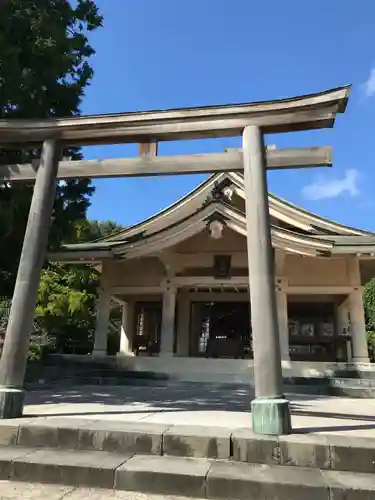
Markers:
(150, 165)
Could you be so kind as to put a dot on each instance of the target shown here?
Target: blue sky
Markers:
(172, 53)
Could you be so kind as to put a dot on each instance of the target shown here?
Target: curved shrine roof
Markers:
(221, 197)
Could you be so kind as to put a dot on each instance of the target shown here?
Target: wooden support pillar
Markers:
(282, 318)
(358, 327)
(102, 323)
(343, 326)
(343, 317)
(183, 324)
(20, 324)
(148, 148)
(270, 410)
(126, 337)
(168, 320)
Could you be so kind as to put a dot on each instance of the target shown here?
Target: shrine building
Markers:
(182, 279)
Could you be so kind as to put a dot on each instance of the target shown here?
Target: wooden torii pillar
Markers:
(270, 409)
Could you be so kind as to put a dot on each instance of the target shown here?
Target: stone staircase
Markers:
(348, 383)
(353, 383)
(62, 371)
(195, 461)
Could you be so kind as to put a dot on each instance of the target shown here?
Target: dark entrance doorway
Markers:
(221, 330)
(147, 328)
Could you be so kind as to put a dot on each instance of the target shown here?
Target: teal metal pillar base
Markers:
(270, 416)
(11, 402)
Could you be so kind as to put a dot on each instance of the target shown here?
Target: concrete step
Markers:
(76, 380)
(355, 373)
(356, 387)
(319, 389)
(352, 392)
(91, 374)
(317, 451)
(352, 387)
(360, 383)
(124, 380)
(191, 477)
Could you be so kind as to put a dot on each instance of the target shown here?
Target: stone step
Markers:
(356, 373)
(361, 383)
(352, 387)
(330, 452)
(193, 477)
(95, 370)
(319, 389)
(96, 381)
(352, 392)
(123, 380)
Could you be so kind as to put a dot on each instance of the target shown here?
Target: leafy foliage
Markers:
(371, 345)
(67, 297)
(65, 314)
(369, 304)
(44, 69)
(5, 304)
(91, 230)
(66, 307)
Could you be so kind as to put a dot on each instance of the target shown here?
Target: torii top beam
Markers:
(283, 115)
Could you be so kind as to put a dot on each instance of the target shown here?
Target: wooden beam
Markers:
(231, 126)
(318, 290)
(148, 149)
(283, 115)
(80, 256)
(134, 290)
(205, 281)
(170, 165)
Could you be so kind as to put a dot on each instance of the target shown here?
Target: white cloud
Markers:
(369, 85)
(332, 188)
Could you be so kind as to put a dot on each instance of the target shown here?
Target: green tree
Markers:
(66, 307)
(369, 304)
(91, 230)
(65, 314)
(44, 70)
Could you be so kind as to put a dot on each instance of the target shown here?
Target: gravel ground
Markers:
(10, 490)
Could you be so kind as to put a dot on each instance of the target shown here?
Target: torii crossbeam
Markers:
(270, 409)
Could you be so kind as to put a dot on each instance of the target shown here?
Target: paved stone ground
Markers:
(195, 404)
(10, 490)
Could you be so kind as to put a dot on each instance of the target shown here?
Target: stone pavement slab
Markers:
(346, 486)
(75, 467)
(249, 447)
(163, 475)
(318, 451)
(307, 450)
(39, 435)
(197, 441)
(225, 407)
(7, 456)
(352, 454)
(115, 436)
(189, 476)
(242, 481)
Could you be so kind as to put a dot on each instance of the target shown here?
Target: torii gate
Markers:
(270, 409)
